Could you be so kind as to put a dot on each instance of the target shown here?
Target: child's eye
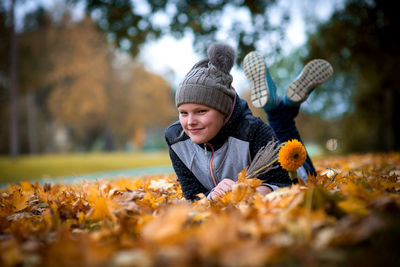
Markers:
(182, 113)
(202, 111)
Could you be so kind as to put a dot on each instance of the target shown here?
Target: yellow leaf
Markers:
(161, 185)
(103, 209)
(93, 193)
(242, 175)
(26, 187)
(200, 216)
(168, 226)
(241, 191)
(47, 217)
(19, 200)
(353, 207)
(81, 218)
(253, 182)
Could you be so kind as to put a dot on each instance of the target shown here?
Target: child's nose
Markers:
(191, 119)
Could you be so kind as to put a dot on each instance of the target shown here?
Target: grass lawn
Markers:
(55, 165)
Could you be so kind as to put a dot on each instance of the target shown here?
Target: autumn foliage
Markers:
(348, 214)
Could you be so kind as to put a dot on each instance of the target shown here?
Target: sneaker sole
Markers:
(314, 73)
(255, 70)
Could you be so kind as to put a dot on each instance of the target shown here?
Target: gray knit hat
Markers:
(209, 82)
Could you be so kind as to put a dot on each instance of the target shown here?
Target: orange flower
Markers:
(292, 155)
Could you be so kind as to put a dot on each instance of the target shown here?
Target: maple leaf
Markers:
(354, 207)
(26, 187)
(161, 185)
(19, 200)
(126, 201)
(168, 226)
(242, 175)
(240, 191)
(103, 209)
(133, 257)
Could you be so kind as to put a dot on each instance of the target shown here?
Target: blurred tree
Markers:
(360, 41)
(139, 101)
(34, 64)
(13, 85)
(4, 70)
(34, 49)
(80, 62)
(131, 23)
(62, 73)
(71, 86)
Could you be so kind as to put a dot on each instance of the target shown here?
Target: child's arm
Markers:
(189, 183)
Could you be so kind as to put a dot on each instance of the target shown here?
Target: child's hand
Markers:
(224, 186)
(263, 190)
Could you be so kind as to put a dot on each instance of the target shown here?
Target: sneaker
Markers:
(263, 88)
(316, 72)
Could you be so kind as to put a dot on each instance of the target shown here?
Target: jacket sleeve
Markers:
(274, 178)
(189, 183)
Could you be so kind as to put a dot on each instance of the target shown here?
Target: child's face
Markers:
(201, 123)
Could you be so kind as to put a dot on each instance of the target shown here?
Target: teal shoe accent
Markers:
(314, 73)
(290, 103)
(263, 88)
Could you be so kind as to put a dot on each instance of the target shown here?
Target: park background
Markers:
(91, 83)
(87, 87)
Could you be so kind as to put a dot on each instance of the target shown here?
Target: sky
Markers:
(175, 61)
(181, 56)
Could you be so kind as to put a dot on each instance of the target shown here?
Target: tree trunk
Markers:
(14, 134)
(388, 120)
(32, 122)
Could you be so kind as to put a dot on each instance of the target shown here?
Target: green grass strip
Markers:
(56, 165)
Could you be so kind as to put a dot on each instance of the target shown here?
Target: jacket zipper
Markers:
(211, 163)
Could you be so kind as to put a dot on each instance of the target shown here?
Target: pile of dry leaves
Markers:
(348, 214)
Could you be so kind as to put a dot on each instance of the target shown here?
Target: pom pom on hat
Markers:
(222, 56)
(209, 81)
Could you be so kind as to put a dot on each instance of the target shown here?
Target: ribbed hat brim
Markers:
(214, 98)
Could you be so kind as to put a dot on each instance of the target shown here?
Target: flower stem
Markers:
(292, 175)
